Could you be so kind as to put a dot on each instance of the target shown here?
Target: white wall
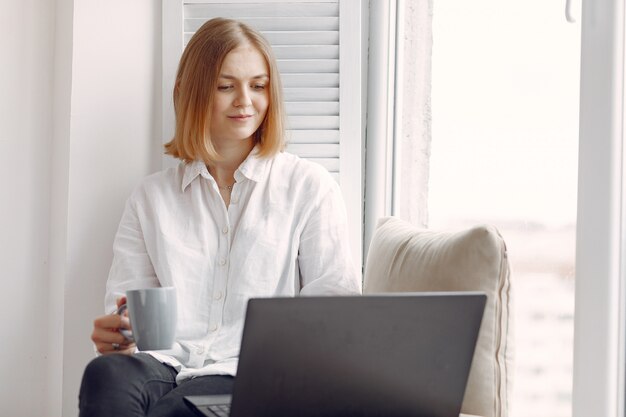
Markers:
(61, 112)
(79, 127)
(114, 141)
(26, 59)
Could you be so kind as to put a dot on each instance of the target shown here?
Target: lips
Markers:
(240, 116)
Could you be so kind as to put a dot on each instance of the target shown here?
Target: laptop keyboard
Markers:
(218, 410)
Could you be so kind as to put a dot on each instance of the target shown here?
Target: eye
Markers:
(224, 87)
(259, 87)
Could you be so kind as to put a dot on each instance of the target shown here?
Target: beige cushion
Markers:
(403, 258)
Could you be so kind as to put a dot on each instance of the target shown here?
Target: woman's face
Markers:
(242, 97)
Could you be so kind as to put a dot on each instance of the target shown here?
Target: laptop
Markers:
(388, 355)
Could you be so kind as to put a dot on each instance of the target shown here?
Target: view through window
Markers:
(504, 151)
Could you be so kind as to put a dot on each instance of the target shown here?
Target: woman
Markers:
(238, 218)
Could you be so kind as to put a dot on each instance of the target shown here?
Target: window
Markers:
(504, 55)
(505, 82)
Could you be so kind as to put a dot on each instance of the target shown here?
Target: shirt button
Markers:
(234, 200)
(225, 229)
(222, 262)
(218, 295)
(200, 350)
(213, 327)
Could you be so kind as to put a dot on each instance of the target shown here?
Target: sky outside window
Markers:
(505, 99)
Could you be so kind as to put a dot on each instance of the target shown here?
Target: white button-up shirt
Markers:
(283, 234)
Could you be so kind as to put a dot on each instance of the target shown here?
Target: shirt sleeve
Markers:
(131, 267)
(324, 258)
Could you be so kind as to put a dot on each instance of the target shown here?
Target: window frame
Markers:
(598, 386)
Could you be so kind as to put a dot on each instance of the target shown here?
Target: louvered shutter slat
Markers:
(313, 136)
(321, 151)
(296, 108)
(307, 52)
(208, 9)
(310, 80)
(305, 65)
(313, 122)
(274, 23)
(311, 94)
(302, 38)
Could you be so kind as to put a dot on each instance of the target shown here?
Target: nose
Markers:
(243, 98)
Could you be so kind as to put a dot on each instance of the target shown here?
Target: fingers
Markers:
(110, 321)
(101, 335)
(109, 348)
(106, 336)
(126, 350)
(111, 341)
(121, 300)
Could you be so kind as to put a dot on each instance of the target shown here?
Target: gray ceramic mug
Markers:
(152, 313)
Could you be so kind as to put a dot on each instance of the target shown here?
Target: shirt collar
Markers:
(253, 168)
(192, 170)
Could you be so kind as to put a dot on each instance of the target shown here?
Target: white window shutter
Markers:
(318, 48)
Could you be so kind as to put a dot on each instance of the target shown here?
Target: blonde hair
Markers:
(196, 84)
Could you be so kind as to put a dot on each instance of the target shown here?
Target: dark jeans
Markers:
(139, 385)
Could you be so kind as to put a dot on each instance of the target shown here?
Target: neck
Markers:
(232, 156)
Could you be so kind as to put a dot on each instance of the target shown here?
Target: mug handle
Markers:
(125, 332)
